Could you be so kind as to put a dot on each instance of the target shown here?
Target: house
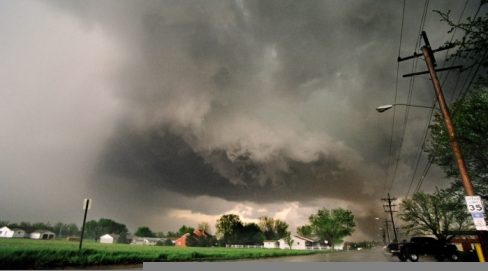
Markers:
(147, 241)
(6, 232)
(198, 233)
(300, 242)
(43, 234)
(271, 244)
(109, 238)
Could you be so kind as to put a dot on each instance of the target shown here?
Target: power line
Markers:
(429, 163)
(409, 96)
(396, 94)
(426, 129)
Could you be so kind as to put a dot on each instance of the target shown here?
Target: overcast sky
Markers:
(175, 112)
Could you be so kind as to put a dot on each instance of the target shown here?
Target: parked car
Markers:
(427, 246)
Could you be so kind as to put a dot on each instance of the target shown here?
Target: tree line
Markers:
(330, 225)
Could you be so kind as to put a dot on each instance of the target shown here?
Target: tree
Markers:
(305, 230)
(471, 122)
(273, 229)
(470, 113)
(94, 229)
(227, 228)
(185, 229)
(281, 229)
(144, 231)
(288, 240)
(438, 213)
(474, 43)
(249, 234)
(332, 225)
(204, 226)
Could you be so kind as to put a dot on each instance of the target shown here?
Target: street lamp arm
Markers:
(383, 108)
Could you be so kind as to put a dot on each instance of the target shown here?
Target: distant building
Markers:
(109, 238)
(271, 244)
(43, 235)
(6, 232)
(299, 242)
(198, 233)
(147, 241)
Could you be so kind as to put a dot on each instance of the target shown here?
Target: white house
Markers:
(271, 244)
(6, 232)
(148, 241)
(109, 238)
(299, 242)
(42, 234)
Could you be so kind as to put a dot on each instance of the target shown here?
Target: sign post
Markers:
(86, 206)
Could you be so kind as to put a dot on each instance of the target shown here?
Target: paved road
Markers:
(367, 255)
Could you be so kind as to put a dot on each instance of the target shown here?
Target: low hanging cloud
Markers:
(191, 109)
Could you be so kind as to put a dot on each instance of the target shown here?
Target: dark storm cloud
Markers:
(164, 160)
(199, 105)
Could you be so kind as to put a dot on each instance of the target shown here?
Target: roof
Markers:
(43, 231)
(304, 238)
(270, 241)
(115, 236)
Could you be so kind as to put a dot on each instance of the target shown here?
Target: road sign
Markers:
(474, 204)
(89, 203)
(475, 207)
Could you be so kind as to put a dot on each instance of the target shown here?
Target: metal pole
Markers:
(468, 187)
(83, 226)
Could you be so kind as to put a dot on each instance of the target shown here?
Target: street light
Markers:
(383, 108)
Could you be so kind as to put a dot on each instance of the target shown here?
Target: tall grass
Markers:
(26, 254)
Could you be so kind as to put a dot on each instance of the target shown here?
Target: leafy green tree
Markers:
(305, 230)
(185, 229)
(473, 45)
(438, 213)
(249, 234)
(200, 241)
(470, 114)
(471, 122)
(144, 231)
(332, 225)
(228, 227)
(281, 229)
(288, 240)
(273, 229)
(95, 229)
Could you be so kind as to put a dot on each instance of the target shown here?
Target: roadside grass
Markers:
(28, 254)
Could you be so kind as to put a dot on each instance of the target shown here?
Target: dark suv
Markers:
(427, 246)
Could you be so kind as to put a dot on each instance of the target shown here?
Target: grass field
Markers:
(26, 253)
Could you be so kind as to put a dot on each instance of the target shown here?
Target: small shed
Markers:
(42, 235)
(6, 232)
(109, 238)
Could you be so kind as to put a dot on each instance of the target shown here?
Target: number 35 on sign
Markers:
(474, 204)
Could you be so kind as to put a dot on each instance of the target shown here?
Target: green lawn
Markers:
(26, 253)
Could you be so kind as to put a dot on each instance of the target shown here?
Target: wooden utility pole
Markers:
(389, 209)
(86, 206)
(429, 58)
